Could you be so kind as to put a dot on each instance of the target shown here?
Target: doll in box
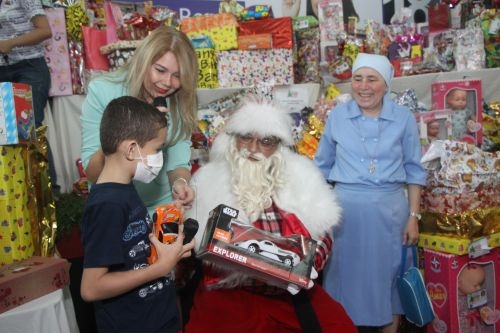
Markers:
(474, 314)
(462, 119)
(433, 129)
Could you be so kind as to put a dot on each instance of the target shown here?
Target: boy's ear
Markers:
(129, 148)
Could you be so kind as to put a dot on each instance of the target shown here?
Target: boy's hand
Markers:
(170, 254)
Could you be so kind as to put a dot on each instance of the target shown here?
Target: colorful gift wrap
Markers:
(118, 53)
(462, 129)
(17, 121)
(458, 167)
(26, 280)
(307, 67)
(448, 277)
(207, 67)
(468, 224)
(255, 42)
(221, 28)
(280, 29)
(16, 237)
(451, 243)
(246, 68)
(57, 54)
(437, 200)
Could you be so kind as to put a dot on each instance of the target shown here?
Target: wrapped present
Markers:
(437, 200)
(221, 28)
(280, 29)
(17, 121)
(255, 42)
(246, 68)
(468, 224)
(118, 53)
(469, 49)
(464, 292)
(57, 54)
(16, 234)
(451, 243)
(491, 32)
(307, 68)
(459, 167)
(26, 280)
(331, 19)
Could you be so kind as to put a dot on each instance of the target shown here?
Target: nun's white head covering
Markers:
(376, 62)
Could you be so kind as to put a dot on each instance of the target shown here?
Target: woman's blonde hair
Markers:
(183, 106)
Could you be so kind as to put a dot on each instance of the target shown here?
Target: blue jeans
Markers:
(34, 72)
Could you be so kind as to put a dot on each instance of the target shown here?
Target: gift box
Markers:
(280, 29)
(221, 28)
(17, 121)
(459, 305)
(255, 42)
(118, 53)
(450, 243)
(29, 279)
(434, 125)
(275, 260)
(464, 98)
(437, 200)
(239, 68)
(57, 54)
(468, 224)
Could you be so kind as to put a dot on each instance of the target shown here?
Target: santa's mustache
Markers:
(248, 154)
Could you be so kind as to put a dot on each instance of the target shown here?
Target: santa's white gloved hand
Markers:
(294, 289)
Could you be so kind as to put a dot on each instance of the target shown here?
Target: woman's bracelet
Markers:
(181, 179)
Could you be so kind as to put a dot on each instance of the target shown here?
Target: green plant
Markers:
(69, 212)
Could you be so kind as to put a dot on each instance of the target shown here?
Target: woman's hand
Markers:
(410, 234)
(182, 192)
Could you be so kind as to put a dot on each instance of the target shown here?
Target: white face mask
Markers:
(146, 172)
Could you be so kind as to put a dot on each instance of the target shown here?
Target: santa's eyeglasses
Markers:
(267, 142)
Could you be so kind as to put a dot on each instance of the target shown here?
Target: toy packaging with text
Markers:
(464, 291)
(273, 259)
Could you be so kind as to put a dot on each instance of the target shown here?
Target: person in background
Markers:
(23, 29)
(370, 152)
(129, 294)
(163, 71)
(253, 170)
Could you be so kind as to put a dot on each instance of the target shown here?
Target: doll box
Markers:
(275, 260)
(446, 274)
(26, 280)
(17, 121)
(471, 108)
(452, 244)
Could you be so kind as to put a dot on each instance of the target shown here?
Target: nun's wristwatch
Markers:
(416, 215)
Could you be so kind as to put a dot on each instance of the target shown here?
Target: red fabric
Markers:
(291, 225)
(235, 310)
(93, 39)
(279, 28)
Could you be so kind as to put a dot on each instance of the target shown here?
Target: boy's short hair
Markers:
(129, 118)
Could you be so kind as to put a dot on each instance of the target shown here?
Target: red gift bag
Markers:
(439, 17)
(93, 39)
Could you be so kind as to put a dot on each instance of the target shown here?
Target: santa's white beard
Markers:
(254, 182)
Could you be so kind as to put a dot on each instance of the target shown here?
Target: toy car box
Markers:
(23, 281)
(275, 260)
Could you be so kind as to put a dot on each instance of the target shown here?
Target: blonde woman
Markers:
(163, 71)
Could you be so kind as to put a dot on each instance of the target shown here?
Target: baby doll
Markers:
(462, 119)
(472, 319)
(433, 128)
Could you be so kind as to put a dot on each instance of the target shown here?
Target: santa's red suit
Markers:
(304, 194)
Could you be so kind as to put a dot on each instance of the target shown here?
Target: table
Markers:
(51, 313)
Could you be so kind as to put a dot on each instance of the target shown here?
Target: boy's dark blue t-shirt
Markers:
(115, 230)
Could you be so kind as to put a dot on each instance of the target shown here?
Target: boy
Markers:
(129, 295)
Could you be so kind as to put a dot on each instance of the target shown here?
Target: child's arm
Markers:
(99, 283)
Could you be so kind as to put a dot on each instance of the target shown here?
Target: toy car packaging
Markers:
(273, 259)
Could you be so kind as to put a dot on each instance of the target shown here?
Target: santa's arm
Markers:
(323, 248)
